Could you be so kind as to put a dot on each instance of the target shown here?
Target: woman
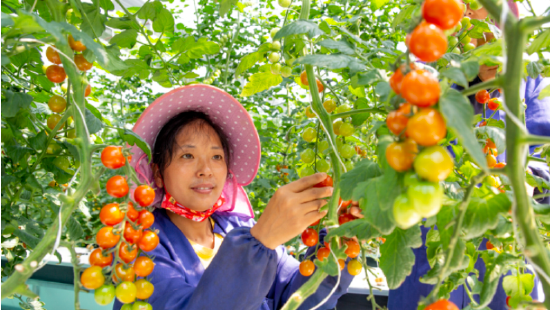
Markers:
(212, 254)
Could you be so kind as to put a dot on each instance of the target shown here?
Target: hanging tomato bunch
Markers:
(417, 123)
(122, 220)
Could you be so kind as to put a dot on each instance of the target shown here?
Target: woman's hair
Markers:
(165, 143)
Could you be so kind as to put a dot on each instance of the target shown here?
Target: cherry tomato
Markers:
(400, 155)
(342, 264)
(445, 14)
(336, 127)
(97, 259)
(105, 294)
(144, 289)
(307, 267)
(310, 237)
(345, 217)
(328, 182)
(128, 306)
(491, 160)
(148, 241)
(303, 78)
(309, 134)
(343, 204)
(354, 267)
(111, 214)
(396, 78)
(320, 86)
(131, 235)
(483, 96)
(126, 292)
(143, 266)
(323, 253)
(315, 223)
(117, 186)
(56, 74)
(488, 150)
(493, 104)
(53, 56)
(132, 213)
(106, 238)
(442, 304)
(112, 157)
(484, 123)
(146, 219)
(397, 120)
(88, 91)
(434, 164)
(420, 88)
(489, 245)
(307, 156)
(500, 165)
(309, 113)
(489, 143)
(428, 42)
(140, 305)
(126, 254)
(76, 45)
(329, 105)
(82, 63)
(404, 213)
(508, 301)
(57, 103)
(353, 249)
(92, 277)
(426, 197)
(144, 195)
(127, 275)
(427, 127)
(53, 120)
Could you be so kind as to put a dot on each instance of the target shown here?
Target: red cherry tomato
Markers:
(323, 253)
(76, 45)
(442, 304)
(97, 259)
(131, 235)
(87, 92)
(303, 78)
(426, 127)
(146, 219)
(143, 266)
(343, 204)
(489, 245)
(126, 275)
(307, 267)
(353, 248)
(53, 56)
(82, 63)
(483, 96)
(342, 219)
(144, 195)
(106, 238)
(132, 213)
(310, 237)
(397, 120)
(400, 155)
(428, 42)
(445, 14)
(493, 104)
(328, 182)
(126, 254)
(56, 74)
(112, 157)
(508, 301)
(111, 214)
(315, 223)
(117, 186)
(148, 241)
(420, 88)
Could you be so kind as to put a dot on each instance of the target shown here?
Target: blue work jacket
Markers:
(244, 274)
(537, 119)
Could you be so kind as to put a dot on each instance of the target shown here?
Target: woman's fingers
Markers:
(306, 182)
(313, 206)
(315, 194)
(313, 216)
(356, 212)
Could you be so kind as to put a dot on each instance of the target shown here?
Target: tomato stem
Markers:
(496, 82)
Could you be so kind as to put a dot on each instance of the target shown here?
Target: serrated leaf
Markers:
(518, 285)
(470, 69)
(299, 27)
(14, 102)
(363, 171)
(149, 10)
(121, 23)
(397, 258)
(341, 46)
(94, 124)
(333, 61)
(377, 203)
(456, 75)
(479, 29)
(164, 22)
(367, 78)
(38, 142)
(125, 39)
(403, 15)
(74, 229)
(377, 4)
(247, 62)
(132, 139)
(16, 152)
(359, 228)
(226, 5)
(459, 261)
(495, 268)
(545, 92)
(202, 47)
(93, 24)
(534, 69)
(259, 82)
(360, 118)
(6, 21)
(458, 113)
(482, 214)
(31, 181)
(27, 238)
(542, 41)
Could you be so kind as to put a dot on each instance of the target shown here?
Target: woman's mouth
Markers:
(203, 189)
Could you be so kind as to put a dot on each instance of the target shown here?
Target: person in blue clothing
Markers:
(212, 254)
(537, 117)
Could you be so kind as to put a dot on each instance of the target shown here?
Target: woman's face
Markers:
(197, 171)
(485, 72)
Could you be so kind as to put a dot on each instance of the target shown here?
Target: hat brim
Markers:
(222, 108)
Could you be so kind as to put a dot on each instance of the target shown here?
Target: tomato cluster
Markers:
(119, 257)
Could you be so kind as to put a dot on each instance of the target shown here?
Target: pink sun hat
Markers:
(226, 112)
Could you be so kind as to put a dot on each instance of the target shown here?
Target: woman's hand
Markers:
(291, 210)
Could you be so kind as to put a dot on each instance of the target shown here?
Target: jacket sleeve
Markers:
(289, 280)
(239, 277)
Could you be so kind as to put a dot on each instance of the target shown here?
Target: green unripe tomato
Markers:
(126, 306)
(323, 166)
(309, 134)
(456, 51)
(284, 3)
(346, 129)
(306, 171)
(322, 146)
(426, 198)
(346, 151)
(343, 108)
(330, 105)
(433, 164)
(474, 5)
(410, 179)
(71, 133)
(404, 213)
(274, 57)
(286, 71)
(469, 47)
(274, 31)
(307, 155)
(466, 22)
(290, 61)
(465, 40)
(276, 68)
(53, 148)
(62, 163)
(105, 294)
(276, 45)
(348, 165)
(141, 305)
(493, 181)
(458, 27)
(452, 40)
(336, 127)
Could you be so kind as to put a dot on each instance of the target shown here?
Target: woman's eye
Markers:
(218, 157)
(187, 156)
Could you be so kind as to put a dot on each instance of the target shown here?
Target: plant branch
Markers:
(489, 84)
(357, 111)
(308, 289)
(531, 23)
(535, 140)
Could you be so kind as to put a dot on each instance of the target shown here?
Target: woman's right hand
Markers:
(291, 210)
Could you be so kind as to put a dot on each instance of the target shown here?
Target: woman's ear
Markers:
(157, 176)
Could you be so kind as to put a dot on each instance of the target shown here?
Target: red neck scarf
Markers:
(170, 203)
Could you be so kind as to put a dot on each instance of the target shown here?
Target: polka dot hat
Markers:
(225, 111)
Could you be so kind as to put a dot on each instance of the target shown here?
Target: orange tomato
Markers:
(53, 56)
(400, 155)
(420, 88)
(76, 45)
(442, 304)
(397, 119)
(428, 42)
(426, 127)
(445, 14)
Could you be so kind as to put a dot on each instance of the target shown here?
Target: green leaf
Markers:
(93, 22)
(534, 69)
(360, 118)
(74, 229)
(164, 22)
(259, 82)
(518, 285)
(542, 41)
(14, 102)
(202, 47)
(367, 78)
(334, 61)
(470, 69)
(363, 171)
(377, 203)
(125, 39)
(359, 228)
(377, 4)
(479, 29)
(458, 113)
(107, 5)
(38, 142)
(456, 75)
(545, 92)
(403, 16)
(132, 139)
(459, 261)
(27, 238)
(16, 152)
(495, 268)
(94, 124)
(121, 23)
(482, 214)
(299, 27)
(226, 5)
(150, 10)
(247, 62)
(444, 217)
(32, 183)
(6, 21)
(23, 289)
(341, 46)
(397, 258)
